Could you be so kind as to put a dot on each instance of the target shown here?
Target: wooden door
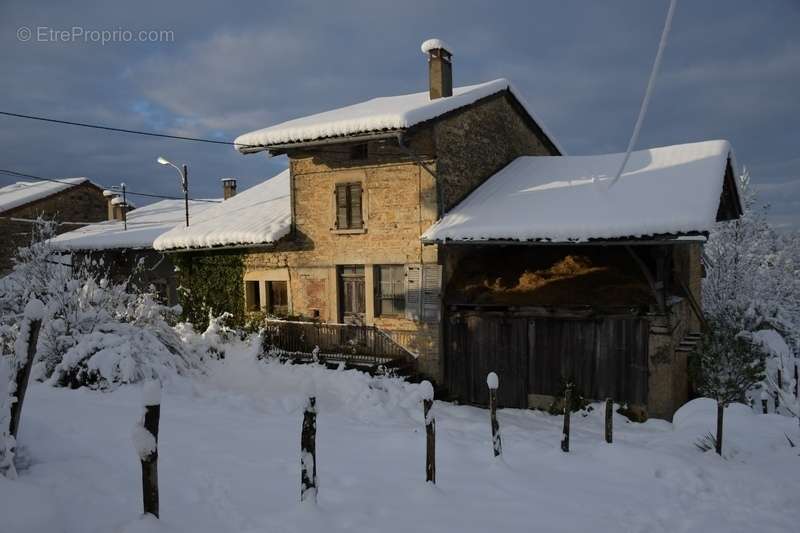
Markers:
(478, 344)
(603, 358)
(352, 294)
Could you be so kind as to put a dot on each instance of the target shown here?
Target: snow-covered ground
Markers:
(229, 462)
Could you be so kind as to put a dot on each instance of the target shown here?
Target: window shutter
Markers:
(356, 220)
(341, 206)
(431, 292)
(413, 291)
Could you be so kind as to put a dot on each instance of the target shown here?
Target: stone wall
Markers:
(81, 203)
(472, 145)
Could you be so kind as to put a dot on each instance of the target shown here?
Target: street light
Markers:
(183, 172)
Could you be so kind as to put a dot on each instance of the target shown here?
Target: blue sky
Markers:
(731, 70)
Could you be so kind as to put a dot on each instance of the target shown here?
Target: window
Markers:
(278, 298)
(348, 206)
(390, 294)
(252, 295)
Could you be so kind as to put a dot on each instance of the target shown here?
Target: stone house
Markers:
(421, 216)
(68, 201)
(122, 246)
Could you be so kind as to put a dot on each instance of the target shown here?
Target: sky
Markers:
(731, 70)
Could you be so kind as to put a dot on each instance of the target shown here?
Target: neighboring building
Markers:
(451, 220)
(125, 247)
(69, 200)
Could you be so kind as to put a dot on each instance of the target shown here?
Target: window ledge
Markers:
(356, 231)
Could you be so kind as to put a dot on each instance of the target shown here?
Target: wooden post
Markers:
(609, 420)
(23, 374)
(430, 448)
(567, 405)
(796, 383)
(308, 452)
(426, 390)
(764, 402)
(148, 454)
(720, 413)
(778, 391)
(493, 382)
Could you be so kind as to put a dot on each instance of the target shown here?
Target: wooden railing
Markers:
(360, 345)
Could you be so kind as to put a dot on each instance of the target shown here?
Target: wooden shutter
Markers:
(431, 292)
(413, 291)
(341, 206)
(356, 220)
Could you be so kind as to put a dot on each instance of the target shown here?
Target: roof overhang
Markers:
(662, 239)
(279, 149)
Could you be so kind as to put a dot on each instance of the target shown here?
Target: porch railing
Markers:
(354, 344)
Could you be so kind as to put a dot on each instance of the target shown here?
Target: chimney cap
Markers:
(108, 193)
(435, 44)
(225, 180)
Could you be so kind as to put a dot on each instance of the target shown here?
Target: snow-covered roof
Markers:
(259, 215)
(388, 113)
(24, 192)
(144, 226)
(667, 190)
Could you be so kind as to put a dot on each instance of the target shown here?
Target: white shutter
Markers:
(431, 292)
(413, 291)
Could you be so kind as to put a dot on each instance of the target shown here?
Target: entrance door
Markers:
(352, 296)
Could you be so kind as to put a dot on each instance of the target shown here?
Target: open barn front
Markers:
(536, 357)
(542, 317)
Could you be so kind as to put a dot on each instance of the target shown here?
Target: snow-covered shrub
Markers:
(96, 332)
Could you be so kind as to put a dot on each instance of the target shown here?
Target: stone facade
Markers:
(81, 203)
(400, 200)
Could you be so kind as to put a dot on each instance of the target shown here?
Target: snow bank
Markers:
(259, 215)
(379, 114)
(671, 189)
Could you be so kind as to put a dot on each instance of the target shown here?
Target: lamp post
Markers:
(183, 172)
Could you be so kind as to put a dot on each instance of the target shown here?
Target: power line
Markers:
(149, 195)
(123, 130)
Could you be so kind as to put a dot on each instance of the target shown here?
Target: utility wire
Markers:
(149, 195)
(662, 44)
(123, 130)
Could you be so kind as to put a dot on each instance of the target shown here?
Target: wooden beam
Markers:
(648, 276)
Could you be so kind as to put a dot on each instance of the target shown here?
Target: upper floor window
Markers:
(348, 206)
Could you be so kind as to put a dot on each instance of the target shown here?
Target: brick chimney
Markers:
(440, 68)
(109, 196)
(116, 208)
(228, 188)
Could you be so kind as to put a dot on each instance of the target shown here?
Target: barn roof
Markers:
(385, 114)
(256, 216)
(145, 224)
(671, 191)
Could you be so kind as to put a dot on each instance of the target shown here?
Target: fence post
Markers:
(567, 405)
(430, 432)
(778, 391)
(493, 382)
(308, 452)
(24, 361)
(764, 401)
(145, 438)
(796, 383)
(609, 420)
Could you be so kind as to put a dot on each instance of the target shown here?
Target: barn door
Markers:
(603, 358)
(478, 344)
